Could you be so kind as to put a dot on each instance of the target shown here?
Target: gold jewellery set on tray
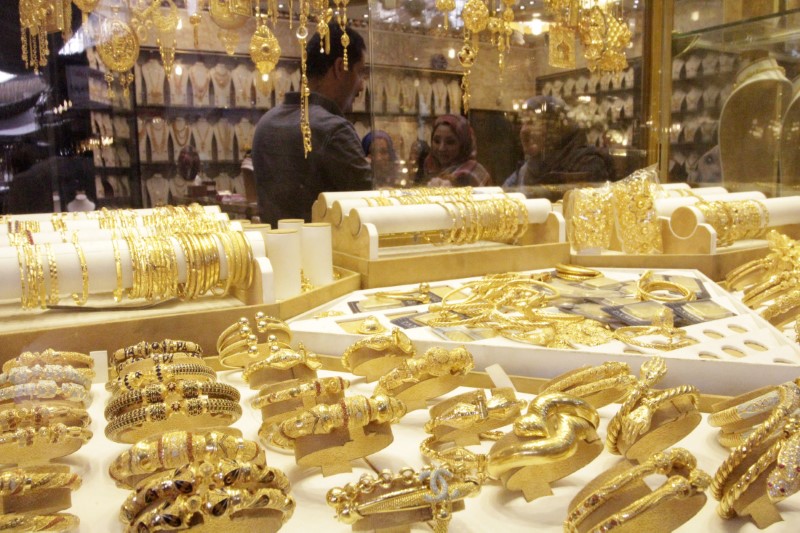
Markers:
(43, 401)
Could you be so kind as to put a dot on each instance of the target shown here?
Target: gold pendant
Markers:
(167, 25)
(265, 50)
(225, 16)
(118, 49)
(562, 47)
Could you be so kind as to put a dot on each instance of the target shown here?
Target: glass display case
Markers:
(729, 105)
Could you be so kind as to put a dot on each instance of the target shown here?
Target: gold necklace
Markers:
(159, 146)
(225, 135)
(199, 92)
(221, 75)
(202, 138)
(181, 134)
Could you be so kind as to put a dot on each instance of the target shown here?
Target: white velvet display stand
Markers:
(315, 249)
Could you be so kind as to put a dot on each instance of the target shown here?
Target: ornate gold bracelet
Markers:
(162, 374)
(84, 296)
(377, 354)
(155, 418)
(771, 289)
(597, 385)
(173, 449)
(457, 459)
(46, 389)
(350, 413)
(50, 357)
(145, 364)
(237, 331)
(58, 373)
(556, 437)
(35, 445)
(282, 362)
(408, 496)
(166, 392)
(784, 309)
(749, 409)
(147, 348)
(685, 486)
(43, 415)
(316, 388)
(50, 523)
(276, 329)
(663, 326)
(19, 481)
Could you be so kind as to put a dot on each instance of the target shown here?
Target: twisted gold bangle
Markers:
(598, 385)
(739, 413)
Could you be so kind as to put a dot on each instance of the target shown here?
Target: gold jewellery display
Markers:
(376, 355)
(735, 220)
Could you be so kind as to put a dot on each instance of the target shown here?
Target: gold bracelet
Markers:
(41, 416)
(20, 481)
(144, 422)
(350, 413)
(282, 363)
(162, 374)
(597, 385)
(146, 349)
(421, 294)
(783, 310)
(591, 218)
(749, 409)
(36, 445)
(258, 509)
(636, 216)
(236, 331)
(685, 486)
(556, 437)
(50, 357)
(84, 296)
(418, 379)
(174, 448)
(58, 373)
(376, 355)
(576, 271)
(145, 364)
(52, 268)
(662, 326)
(168, 392)
(463, 418)
(276, 329)
(407, 497)
(240, 353)
(300, 389)
(49, 523)
(198, 477)
(770, 289)
(648, 289)
(71, 393)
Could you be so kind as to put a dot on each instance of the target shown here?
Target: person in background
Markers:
(451, 162)
(380, 152)
(189, 164)
(287, 179)
(31, 188)
(556, 148)
(416, 159)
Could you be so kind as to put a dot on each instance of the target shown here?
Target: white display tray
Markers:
(733, 355)
(98, 501)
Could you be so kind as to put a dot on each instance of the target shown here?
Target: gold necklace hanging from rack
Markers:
(36, 19)
(265, 51)
(341, 17)
(118, 48)
(166, 24)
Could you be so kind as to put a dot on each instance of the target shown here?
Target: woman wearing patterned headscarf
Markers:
(451, 161)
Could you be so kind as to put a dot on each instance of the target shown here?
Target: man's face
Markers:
(354, 80)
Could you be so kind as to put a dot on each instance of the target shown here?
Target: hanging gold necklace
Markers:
(201, 137)
(159, 129)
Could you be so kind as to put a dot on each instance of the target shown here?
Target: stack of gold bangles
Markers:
(31, 498)
(238, 346)
(783, 256)
(166, 396)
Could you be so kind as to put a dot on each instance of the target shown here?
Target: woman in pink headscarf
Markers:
(451, 161)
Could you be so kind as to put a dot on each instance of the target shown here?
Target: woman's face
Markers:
(444, 145)
(380, 151)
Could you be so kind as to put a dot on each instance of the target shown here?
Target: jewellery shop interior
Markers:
(568, 302)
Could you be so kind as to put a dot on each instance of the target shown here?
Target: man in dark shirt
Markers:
(288, 181)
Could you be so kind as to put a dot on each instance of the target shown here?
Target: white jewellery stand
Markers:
(158, 190)
(223, 133)
(221, 80)
(201, 80)
(242, 77)
(203, 133)
(154, 76)
(179, 85)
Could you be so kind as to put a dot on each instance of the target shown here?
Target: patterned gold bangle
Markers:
(457, 459)
(302, 389)
(52, 268)
(36, 445)
(20, 481)
(173, 449)
(162, 374)
(145, 364)
(463, 418)
(282, 362)
(663, 326)
(167, 392)
(373, 499)
(378, 349)
(784, 309)
(740, 412)
(198, 477)
(44, 389)
(84, 296)
(770, 289)
(276, 329)
(350, 413)
(684, 481)
(598, 385)
(49, 523)
(236, 331)
(58, 373)
(50, 357)
(43, 415)
(146, 349)
(200, 413)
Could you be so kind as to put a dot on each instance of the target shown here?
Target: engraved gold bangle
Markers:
(373, 499)
(162, 374)
(173, 449)
(166, 392)
(50, 357)
(315, 388)
(84, 296)
(598, 385)
(145, 421)
(55, 393)
(463, 418)
(36, 445)
(784, 309)
(662, 326)
(350, 413)
(20, 481)
(281, 362)
(49, 523)
(145, 364)
(770, 289)
(58, 373)
(396, 344)
(41, 416)
(457, 459)
(684, 481)
(144, 349)
(747, 410)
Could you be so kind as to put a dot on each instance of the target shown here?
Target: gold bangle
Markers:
(662, 326)
(162, 374)
(240, 353)
(463, 418)
(418, 379)
(174, 449)
(36, 445)
(575, 271)
(781, 483)
(71, 393)
(198, 477)
(457, 459)
(119, 289)
(783, 310)
(258, 509)
(685, 487)
(376, 355)
(421, 294)
(168, 392)
(350, 413)
(647, 289)
(57, 373)
(43, 415)
(282, 363)
(749, 409)
(408, 496)
(300, 389)
(52, 268)
(84, 296)
(770, 289)
(146, 349)
(20, 481)
(200, 413)
(597, 385)
(276, 329)
(49, 523)
(556, 437)
(50, 357)
(145, 364)
(236, 331)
